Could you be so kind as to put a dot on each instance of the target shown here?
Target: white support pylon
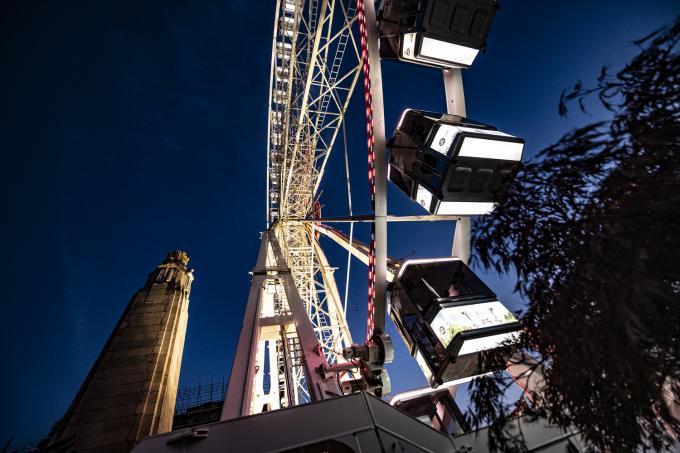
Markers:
(455, 105)
(276, 319)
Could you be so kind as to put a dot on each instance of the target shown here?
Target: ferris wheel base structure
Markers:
(353, 423)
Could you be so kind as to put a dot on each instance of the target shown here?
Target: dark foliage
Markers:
(591, 228)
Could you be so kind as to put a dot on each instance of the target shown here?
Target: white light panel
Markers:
(465, 208)
(491, 149)
(446, 51)
(486, 343)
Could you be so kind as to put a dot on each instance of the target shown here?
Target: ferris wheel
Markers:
(295, 345)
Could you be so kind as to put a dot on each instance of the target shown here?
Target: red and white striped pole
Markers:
(375, 133)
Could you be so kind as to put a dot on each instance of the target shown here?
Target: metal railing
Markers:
(193, 396)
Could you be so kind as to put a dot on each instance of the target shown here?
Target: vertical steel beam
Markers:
(461, 240)
(455, 96)
(455, 105)
(239, 390)
(380, 167)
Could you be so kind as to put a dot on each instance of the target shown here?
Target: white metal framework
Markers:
(315, 66)
(320, 49)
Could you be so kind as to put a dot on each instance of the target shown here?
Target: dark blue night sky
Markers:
(128, 129)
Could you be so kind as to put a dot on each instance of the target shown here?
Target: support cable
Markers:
(371, 163)
(351, 225)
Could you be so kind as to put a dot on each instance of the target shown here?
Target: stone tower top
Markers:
(177, 256)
